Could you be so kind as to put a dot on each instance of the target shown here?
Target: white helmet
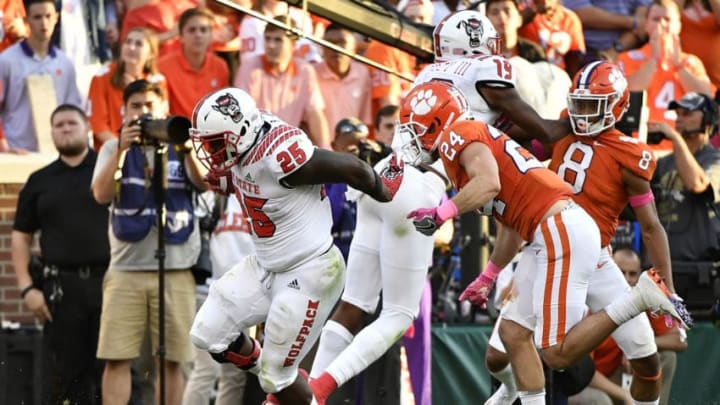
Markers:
(225, 125)
(465, 33)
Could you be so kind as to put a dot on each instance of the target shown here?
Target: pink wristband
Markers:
(447, 210)
(642, 199)
(491, 270)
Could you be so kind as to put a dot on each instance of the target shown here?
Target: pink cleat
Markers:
(321, 388)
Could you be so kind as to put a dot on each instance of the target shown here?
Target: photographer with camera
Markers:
(126, 176)
(687, 190)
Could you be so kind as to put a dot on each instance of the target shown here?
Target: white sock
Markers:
(369, 345)
(506, 377)
(532, 397)
(623, 309)
(333, 340)
(655, 402)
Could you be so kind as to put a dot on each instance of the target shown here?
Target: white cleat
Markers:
(651, 294)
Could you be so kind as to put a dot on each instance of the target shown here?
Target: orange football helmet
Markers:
(425, 113)
(598, 98)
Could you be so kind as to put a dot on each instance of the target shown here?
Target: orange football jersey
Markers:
(527, 188)
(592, 166)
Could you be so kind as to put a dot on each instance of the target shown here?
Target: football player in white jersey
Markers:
(296, 276)
(385, 254)
(467, 51)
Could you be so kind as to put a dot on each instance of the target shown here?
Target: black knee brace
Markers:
(232, 355)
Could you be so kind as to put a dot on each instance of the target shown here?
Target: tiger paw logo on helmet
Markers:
(618, 80)
(423, 102)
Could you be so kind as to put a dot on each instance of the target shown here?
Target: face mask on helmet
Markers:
(465, 33)
(407, 142)
(598, 99)
(425, 113)
(226, 124)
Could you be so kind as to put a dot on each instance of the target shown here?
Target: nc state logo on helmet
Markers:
(598, 98)
(465, 33)
(425, 113)
(225, 125)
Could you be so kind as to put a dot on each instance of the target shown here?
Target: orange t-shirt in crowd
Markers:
(385, 84)
(186, 86)
(347, 96)
(665, 85)
(558, 35)
(593, 168)
(160, 16)
(105, 101)
(528, 189)
(700, 36)
(290, 95)
(11, 9)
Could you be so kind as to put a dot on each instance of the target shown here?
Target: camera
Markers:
(174, 129)
(372, 151)
(654, 138)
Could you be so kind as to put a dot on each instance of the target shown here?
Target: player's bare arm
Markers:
(332, 167)
(507, 244)
(481, 168)
(653, 234)
(528, 124)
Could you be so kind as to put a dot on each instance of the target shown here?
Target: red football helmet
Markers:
(598, 98)
(425, 113)
(225, 125)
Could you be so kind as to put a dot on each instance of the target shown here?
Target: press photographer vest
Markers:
(134, 212)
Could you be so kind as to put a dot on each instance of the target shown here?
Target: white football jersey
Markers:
(289, 225)
(466, 73)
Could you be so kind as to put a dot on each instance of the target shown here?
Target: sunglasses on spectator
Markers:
(352, 129)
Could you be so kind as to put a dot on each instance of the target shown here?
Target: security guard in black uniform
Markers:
(66, 293)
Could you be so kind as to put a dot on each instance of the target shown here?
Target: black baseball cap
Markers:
(692, 102)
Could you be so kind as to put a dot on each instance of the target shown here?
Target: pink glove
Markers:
(478, 291)
(220, 183)
(428, 220)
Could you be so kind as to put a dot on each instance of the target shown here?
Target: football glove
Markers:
(392, 174)
(478, 291)
(220, 183)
